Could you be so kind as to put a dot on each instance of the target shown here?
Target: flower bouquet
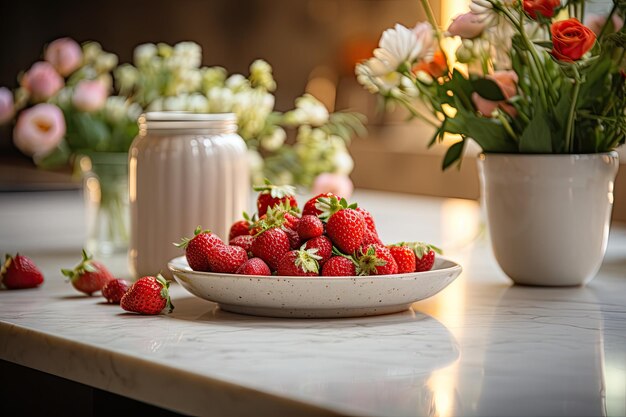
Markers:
(544, 96)
(514, 76)
(169, 78)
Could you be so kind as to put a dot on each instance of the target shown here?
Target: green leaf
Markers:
(544, 44)
(488, 89)
(454, 153)
(536, 138)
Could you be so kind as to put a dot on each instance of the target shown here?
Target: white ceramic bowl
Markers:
(314, 297)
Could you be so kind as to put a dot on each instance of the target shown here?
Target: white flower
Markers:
(309, 110)
(220, 100)
(186, 55)
(274, 140)
(376, 77)
(143, 54)
(212, 77)
(261, 75)
(252, 108)
(126, 76)
(197, 103)
(237, 82)
(401, 44)
(115, 108)
(105, 62)
(91, 51)
(175, 103)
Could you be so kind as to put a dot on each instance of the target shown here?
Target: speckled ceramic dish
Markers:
(315, 297)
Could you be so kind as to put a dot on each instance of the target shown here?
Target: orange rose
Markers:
(544, 7)
(435, 68)
(571, 40)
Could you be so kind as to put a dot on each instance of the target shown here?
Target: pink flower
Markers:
(42, 81)
(65, 55)
(467, 26)
(596, 22)
(507, 81)
(7, 109)
(90, 95)
(337, 184)
(39, 129)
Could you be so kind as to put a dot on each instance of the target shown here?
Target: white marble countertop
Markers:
(479, 348)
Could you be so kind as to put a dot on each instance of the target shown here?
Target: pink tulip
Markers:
(337, 184)
(90, 95)
(39, 129)
(42, 81)
(467, 26)
(7, 109)
(596, 22)
(65, 55)
(507, 81)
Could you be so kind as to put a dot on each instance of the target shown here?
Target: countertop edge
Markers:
(142, 380)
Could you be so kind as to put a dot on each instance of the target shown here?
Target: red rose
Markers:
(571, 40)
(544, 7)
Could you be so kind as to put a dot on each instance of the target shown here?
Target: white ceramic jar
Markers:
(185, 170)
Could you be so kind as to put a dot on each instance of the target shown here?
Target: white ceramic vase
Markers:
(549, 215)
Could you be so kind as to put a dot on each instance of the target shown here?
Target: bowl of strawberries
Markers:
(325, 260)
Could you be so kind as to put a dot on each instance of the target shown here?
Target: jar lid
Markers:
(179, 120)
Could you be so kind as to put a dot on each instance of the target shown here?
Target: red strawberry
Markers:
(299, 263)
(239, 228)
(115, 290)
(272, 195)
(270, 245)
(338, 266)
(20, 272)
(243, 241)
(254, 266)
(309, 206)
(376, 260)
(88, 276)
(344, 226)
(424, 254)
(405, 258)
(370, 238)
(149, 295)
(310, 227)
(294, 239)
(226, 258)
(197, 248)
(324, 248)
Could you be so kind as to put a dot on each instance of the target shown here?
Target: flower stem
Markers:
(569, 133)
(609, 20)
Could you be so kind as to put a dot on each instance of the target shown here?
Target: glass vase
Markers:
(105, 185)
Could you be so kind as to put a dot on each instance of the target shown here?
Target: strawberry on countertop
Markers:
(19, 272)
(88, 276)
(115, 290)
(197, 248)
(149, 295)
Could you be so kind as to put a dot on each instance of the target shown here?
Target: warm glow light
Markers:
(452, 8)
(93, 187)
(460, 223)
